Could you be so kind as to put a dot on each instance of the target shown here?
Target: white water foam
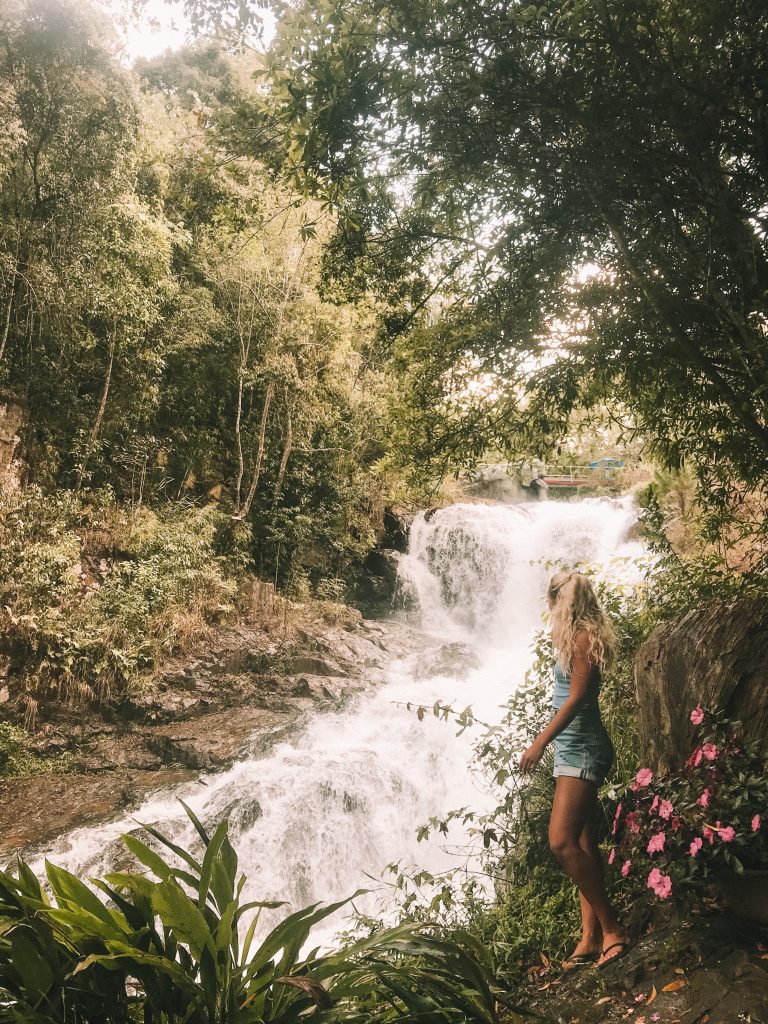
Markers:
(317, 816)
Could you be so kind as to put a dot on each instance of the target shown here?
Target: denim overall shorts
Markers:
(583, 749)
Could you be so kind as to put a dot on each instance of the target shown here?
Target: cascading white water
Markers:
(319, 815)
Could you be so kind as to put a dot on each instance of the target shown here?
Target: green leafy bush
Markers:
(94, 593)
(675, 831)
(177, 944)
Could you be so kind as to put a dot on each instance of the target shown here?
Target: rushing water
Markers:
(317, 816)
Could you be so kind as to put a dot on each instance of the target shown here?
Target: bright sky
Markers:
(162, 26)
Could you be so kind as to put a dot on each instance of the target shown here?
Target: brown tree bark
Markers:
(9, 306)
(287, 447)
(97, 424)
(245, 508)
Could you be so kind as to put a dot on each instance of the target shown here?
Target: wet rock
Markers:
(246, 692)
(378, 585)
(701, 968)
(497, 483)
(242, 814)
(37, 809)
(397, 526)
(456, 660)
(316, 667)
(716, 656)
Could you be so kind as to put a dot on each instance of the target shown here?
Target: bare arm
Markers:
(581, 673)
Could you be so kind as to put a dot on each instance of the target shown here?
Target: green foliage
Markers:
(679, 580)
(579, 186)
(183, 942)
(16, 759)
(161, 321)
(690, 824)
(93, 594)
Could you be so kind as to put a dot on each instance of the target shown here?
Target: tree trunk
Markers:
(243, 511)
(9, 307)
(287, 446)
(239, 439)
(100, 413)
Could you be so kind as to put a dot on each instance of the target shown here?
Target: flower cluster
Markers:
(678, 828)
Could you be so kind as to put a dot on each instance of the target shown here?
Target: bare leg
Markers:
(591, 932)
(572, 812)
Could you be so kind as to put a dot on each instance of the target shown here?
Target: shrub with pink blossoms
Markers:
(678, 829)
(661, 884)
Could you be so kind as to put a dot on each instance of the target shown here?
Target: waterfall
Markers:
(320, 814)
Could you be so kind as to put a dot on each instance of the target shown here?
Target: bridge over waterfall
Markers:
(515, 482)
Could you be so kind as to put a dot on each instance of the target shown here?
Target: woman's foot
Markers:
(615, 946)
(586, 952)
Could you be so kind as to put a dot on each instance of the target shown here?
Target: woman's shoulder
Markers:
(583, 647)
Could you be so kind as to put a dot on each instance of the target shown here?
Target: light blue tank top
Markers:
(590, 706)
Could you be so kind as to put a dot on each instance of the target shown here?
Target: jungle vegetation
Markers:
(247, 293)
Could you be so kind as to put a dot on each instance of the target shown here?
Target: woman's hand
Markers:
(531, 757)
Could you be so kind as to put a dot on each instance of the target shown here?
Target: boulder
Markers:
(379, 581)
(716, 656)
(397, 526)
(455, 660)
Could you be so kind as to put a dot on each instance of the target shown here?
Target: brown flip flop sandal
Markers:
(625, 948)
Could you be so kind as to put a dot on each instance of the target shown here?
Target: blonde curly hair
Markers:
(575, 609)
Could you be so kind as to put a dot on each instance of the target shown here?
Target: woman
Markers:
(585, 644)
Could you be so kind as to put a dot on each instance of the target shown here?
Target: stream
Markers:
(323, 814)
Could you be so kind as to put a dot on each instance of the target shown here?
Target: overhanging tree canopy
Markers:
(584, 183)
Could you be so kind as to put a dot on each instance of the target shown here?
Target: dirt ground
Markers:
(705, 967)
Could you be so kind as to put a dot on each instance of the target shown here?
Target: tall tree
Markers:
(582, 184)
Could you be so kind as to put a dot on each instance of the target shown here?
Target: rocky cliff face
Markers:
(244, 691)
(716, 656)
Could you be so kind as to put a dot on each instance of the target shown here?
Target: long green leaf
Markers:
(135, 962)
(196, 822)
(68, 889)
(29, 963)
(178, 911)
(180, 852)
(148, 857)
(212, 852)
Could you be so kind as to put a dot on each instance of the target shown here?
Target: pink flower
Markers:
(612, 856)
(644, 777)
(704, 798)
(665, 811)
(655, 803)
(695, 759)
(709, 834)
(697, 715)
(709, 750)
(675, 823)
(656, 843)
(633, 821)
(661, 884)
(655, 1017)
(695, 846)
(616, 817)
(756, 823)
(727, 834)
(625, 868)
